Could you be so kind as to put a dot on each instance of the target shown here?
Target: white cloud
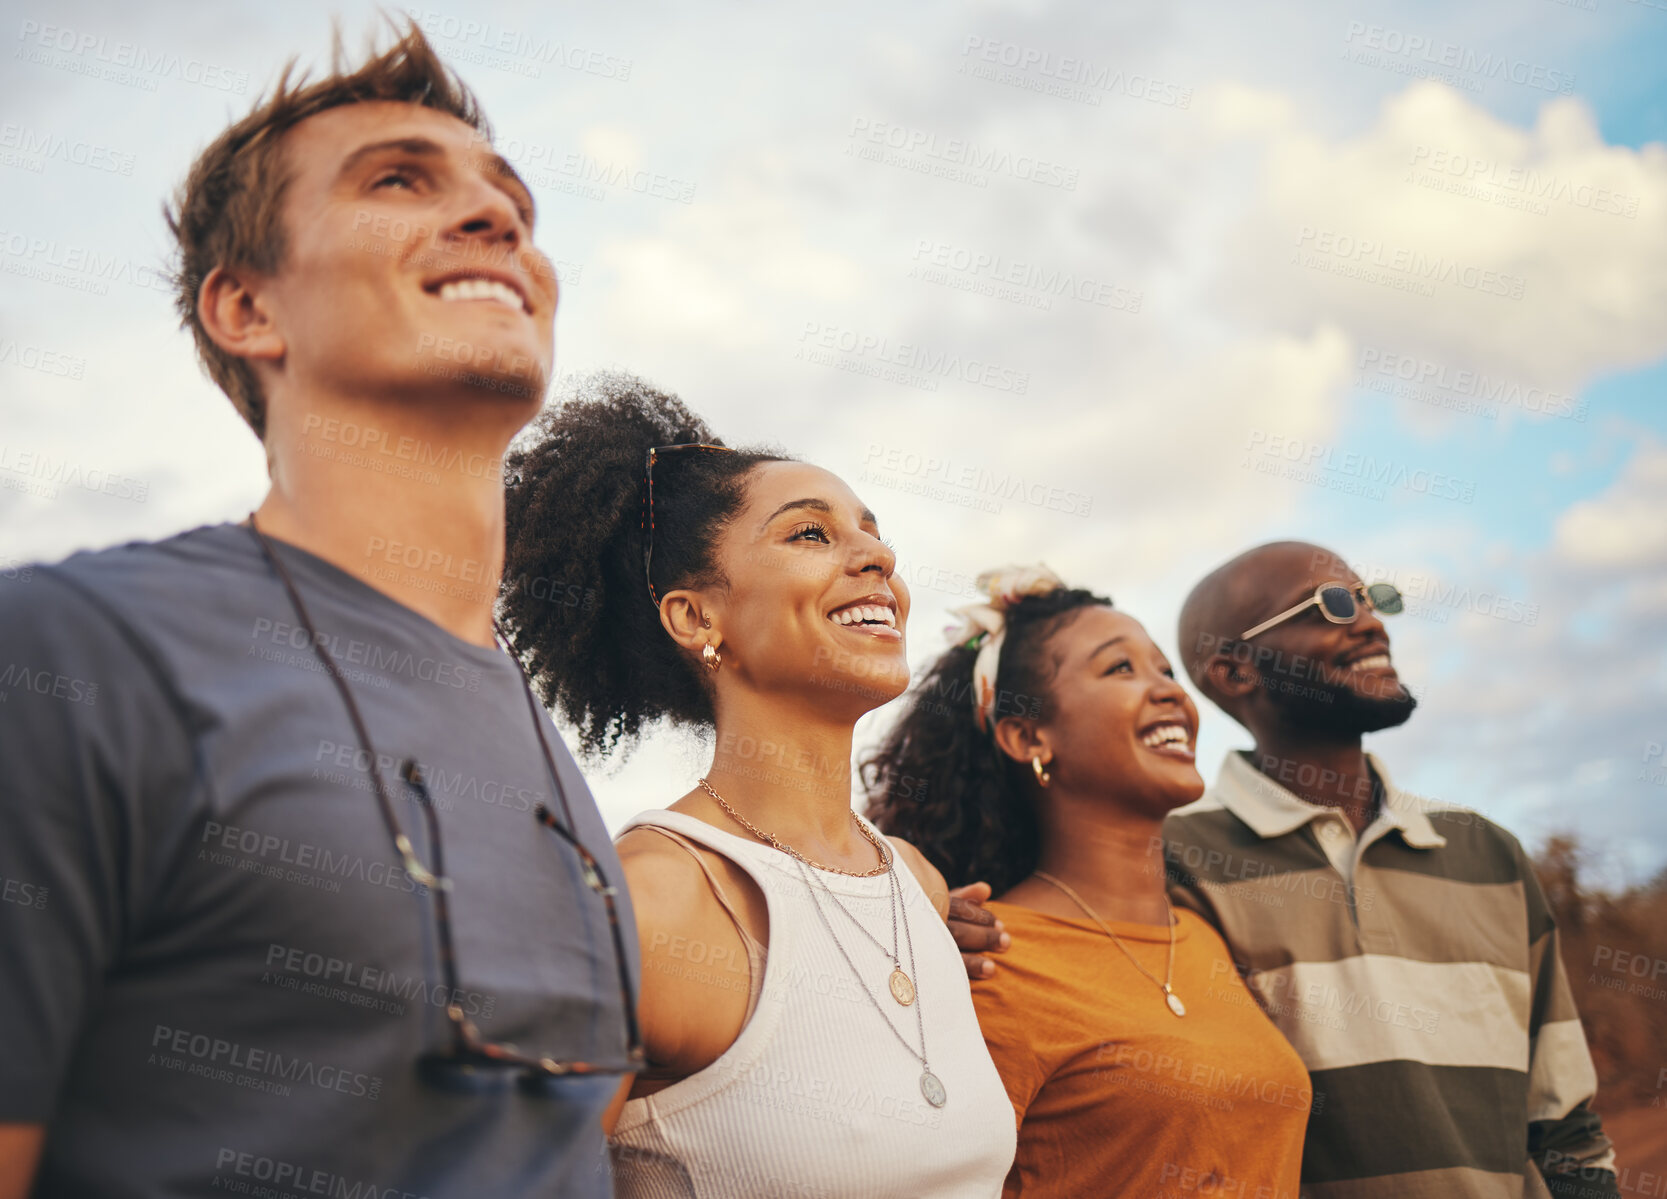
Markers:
(1624, 529)
(1545, 725)
(1537, 255)
(1196, 209)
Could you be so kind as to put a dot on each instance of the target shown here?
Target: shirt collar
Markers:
(1272, 811)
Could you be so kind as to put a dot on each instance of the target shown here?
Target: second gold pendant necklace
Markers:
(1169, 997)
(901, 986)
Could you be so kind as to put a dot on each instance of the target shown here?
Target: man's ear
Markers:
(1228, 682)
(236, 316)
(687, 617)
(1022, 739)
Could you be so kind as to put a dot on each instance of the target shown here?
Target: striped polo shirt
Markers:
(1415, 969)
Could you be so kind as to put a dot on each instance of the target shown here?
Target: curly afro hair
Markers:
(940, 783)
(574, 604)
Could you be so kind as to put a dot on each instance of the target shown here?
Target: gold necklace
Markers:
(902, 987)
(931, 1086)
(1169, 996)
(773, 842)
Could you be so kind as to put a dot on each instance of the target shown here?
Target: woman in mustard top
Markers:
(1041, 754)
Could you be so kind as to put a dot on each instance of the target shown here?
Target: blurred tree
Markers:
(1615, 950)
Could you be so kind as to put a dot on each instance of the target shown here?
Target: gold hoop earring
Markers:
(1043, 778)
(711, 658)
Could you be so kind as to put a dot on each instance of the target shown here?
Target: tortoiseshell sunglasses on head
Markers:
(648, 506)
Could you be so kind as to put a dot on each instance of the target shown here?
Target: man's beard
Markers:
(1332, 706)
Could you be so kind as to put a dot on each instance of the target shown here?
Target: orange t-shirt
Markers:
(1116, 1095)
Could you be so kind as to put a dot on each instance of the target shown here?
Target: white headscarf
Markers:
(985, 625)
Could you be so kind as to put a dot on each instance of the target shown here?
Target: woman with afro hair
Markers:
(1040, 754)
(805, 1011)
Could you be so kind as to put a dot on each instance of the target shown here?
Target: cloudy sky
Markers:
(1122, 291)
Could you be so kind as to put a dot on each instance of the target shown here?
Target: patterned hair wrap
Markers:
(985, 626)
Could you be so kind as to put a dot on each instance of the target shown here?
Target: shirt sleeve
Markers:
(1007, 1033)
(1565, 1137)
(87, 734)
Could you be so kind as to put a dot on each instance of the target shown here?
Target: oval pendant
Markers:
(1175, 1004)
(932, 1088)
(902, 989)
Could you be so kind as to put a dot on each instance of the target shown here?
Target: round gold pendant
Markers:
(1175, 1004)
(902, 989)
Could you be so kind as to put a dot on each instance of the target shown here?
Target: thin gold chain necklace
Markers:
(1169, 996)
(901, 985)
(774, 842)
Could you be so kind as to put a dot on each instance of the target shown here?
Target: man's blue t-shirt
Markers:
(215, 974)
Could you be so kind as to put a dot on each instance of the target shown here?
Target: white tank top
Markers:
(816, 1099)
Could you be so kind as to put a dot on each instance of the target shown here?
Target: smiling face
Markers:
(1315, 674)
(812, 606)
(410, 267)
(1117, 722)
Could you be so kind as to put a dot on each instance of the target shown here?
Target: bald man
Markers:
(1403, 946)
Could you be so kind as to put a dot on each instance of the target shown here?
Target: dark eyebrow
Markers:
(422, 147)
(1105, 645)
(815, 505)
(419, 147)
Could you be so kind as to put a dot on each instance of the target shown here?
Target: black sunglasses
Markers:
(469, 1053)
(1336, 602)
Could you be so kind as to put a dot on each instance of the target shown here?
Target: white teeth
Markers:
(1372, 662)
(1163, 736)
(481, 289)
(869, 612)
